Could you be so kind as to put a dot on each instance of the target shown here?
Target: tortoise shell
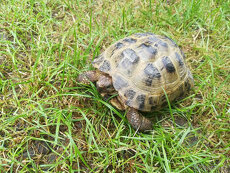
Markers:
(145, 68)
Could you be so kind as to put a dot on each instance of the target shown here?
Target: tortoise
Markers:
(144, 69)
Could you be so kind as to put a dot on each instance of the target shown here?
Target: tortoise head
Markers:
(105, 84)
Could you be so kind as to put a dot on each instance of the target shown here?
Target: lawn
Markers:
(50, 123)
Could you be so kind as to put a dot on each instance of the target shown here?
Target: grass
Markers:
(51, 124)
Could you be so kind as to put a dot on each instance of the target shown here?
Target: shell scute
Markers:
(105, 67)
(119, 45)
(130, 40)
(140, 99)
(131, 55)
(128, 61)
(151, 72)
(129, 94)
(119, 83)
(146, 51)
(168, 64)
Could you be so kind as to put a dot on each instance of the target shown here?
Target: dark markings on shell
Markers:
(163, 44)
(129, 58)
(141, 101)
(149, 48)
(151, 72)
(143, 34)
(105, 67)
(131, 55)
(118, 45)
(126, 63)
(179, 60)
(148, 82)
(153, 39)
(98, 60)
(148, 42)
(130, 40)
(129, 94)
(168, 64)
(119, 83)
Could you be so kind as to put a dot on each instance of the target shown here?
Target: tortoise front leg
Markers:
(117, 102)
(88, 76)
(138, 121)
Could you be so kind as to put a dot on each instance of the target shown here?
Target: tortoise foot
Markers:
(138, 121)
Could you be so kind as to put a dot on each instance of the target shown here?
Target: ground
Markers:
(50, 123)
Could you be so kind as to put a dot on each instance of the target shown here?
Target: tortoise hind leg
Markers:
(138, 121)
(89, 76)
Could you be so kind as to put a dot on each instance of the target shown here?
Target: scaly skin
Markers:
(89, 76)
(105, 86)
(138, 121)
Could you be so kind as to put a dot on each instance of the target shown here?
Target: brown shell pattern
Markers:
(144, 67)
